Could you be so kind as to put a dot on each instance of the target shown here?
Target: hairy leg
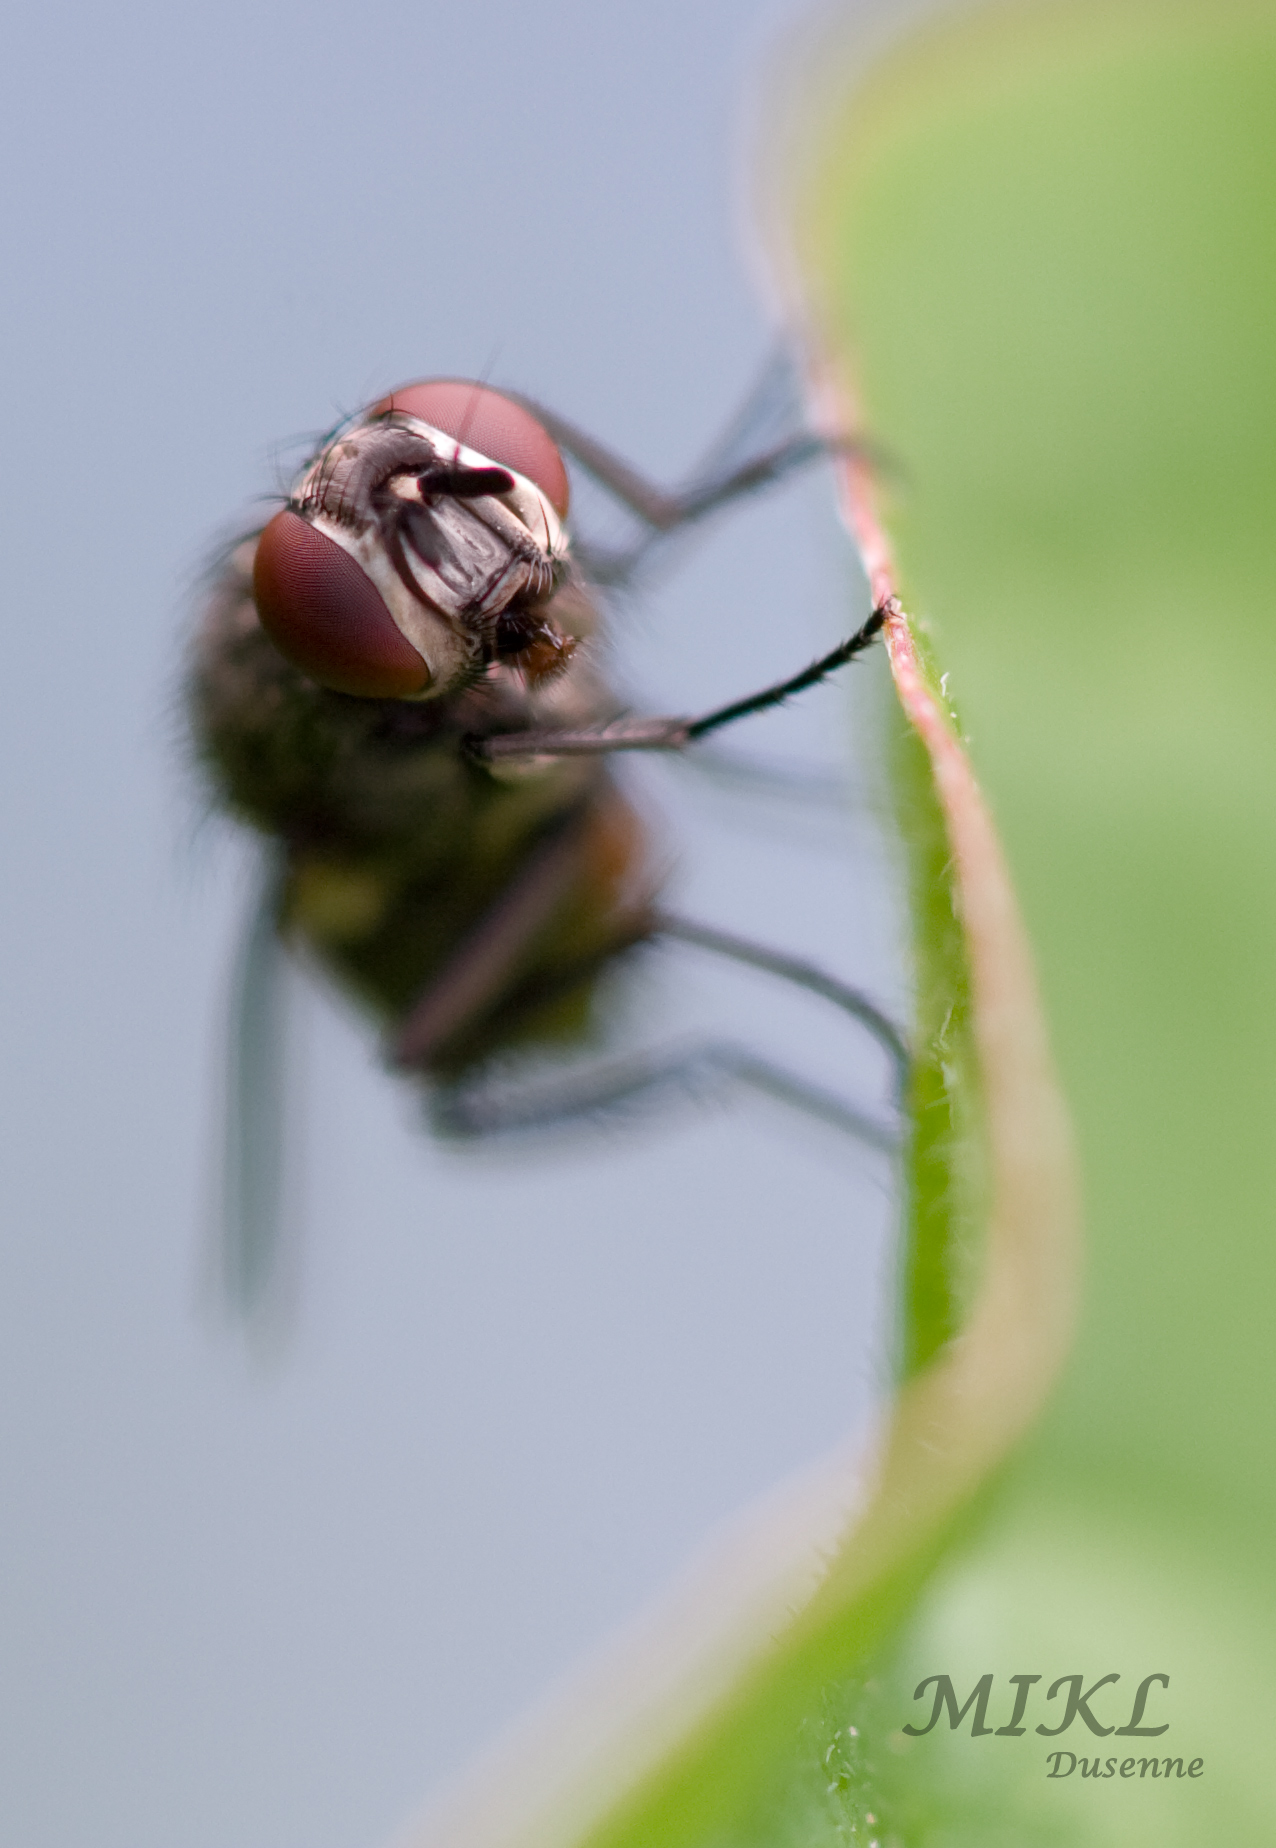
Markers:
(673, 734)
(474, 1106)
(471, 1109)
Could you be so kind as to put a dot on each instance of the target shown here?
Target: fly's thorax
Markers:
(406, 562)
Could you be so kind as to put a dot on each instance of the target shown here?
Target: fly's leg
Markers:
(660, 511)
(488, 976)
(480, 968)
(470, 1111)
(674, 734)
(760, 449)
(801, 974)
(473, 1108)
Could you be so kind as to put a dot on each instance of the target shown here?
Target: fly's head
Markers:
(423, 543)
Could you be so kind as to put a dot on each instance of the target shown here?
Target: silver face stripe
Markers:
(474, 556)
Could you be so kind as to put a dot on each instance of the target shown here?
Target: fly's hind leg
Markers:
(472, 1107)
(801, 974)
(470, 1110)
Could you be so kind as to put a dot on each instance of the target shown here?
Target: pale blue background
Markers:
(247, 1606)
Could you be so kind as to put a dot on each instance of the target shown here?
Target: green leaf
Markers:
(1044, 242)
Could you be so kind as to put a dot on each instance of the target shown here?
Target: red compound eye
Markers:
(483, 419)
(325, 615)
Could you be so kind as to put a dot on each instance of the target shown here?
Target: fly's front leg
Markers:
(675, 734)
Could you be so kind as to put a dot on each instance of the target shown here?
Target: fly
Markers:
(394, 681)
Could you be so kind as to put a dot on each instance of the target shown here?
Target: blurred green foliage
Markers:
(1043, 240)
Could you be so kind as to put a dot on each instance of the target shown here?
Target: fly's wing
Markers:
(251, 1257)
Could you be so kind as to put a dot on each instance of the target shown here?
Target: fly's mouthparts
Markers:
(524, 637)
